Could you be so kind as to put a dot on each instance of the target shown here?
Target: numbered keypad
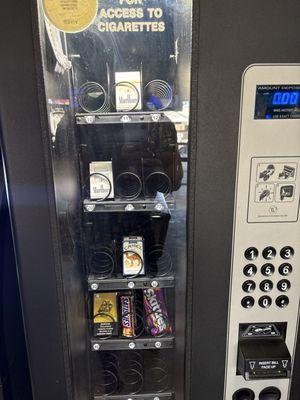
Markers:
(267, 270)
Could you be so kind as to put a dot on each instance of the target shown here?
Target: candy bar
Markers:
(157, 319)
(128, 315)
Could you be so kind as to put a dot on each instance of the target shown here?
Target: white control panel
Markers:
(265, 276)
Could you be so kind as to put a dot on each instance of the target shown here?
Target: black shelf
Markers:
(146, 343)
(119, 283)
(142, 396)
(131, 117)
(157, 205)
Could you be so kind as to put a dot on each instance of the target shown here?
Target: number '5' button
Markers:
(268, 269)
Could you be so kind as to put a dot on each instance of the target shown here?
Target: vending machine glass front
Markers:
(117, 94)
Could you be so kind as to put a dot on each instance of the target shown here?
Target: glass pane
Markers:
(118, 92)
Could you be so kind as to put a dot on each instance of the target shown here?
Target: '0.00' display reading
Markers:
(277, 102)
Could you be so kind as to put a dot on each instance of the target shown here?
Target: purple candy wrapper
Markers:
(157, 318)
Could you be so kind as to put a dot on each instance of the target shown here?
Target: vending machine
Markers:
(151, 151)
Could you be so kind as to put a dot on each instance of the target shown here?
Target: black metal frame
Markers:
(228, 37)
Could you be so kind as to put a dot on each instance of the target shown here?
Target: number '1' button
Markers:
(251, 253)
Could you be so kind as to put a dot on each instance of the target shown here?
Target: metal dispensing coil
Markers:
(93, 98)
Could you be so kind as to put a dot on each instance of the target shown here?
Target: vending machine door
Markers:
(103, 180)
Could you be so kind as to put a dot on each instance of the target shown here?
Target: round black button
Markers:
(250, 270)
(287, 252)
(268, 269)
(269, 253)
(285, 269)
(284, 285)
(282, 301)
(244, 394)
(249, 286)
(265, 301)
(251, 253)
(266, 286)
(270, 393)
(248, 302)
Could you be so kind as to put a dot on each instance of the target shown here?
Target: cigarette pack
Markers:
(133, 256)
(105, 314)
(101, 180)
(128, 90)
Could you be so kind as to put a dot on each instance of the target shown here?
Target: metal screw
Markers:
(154, 284)
(158, 345)
(159, 207)
(96, 346)
(156, 398)
(90, 207)
(131, 285)
(94, 286)
(131, 345)
(129, 207)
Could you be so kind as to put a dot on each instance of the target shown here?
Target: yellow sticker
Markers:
(71, 15)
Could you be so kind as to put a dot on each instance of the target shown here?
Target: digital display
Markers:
(277, 102)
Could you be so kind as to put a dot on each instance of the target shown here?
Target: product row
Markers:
(131, 314)
(145, 178)
(129, 259)
(131, 373)
(125, 95)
